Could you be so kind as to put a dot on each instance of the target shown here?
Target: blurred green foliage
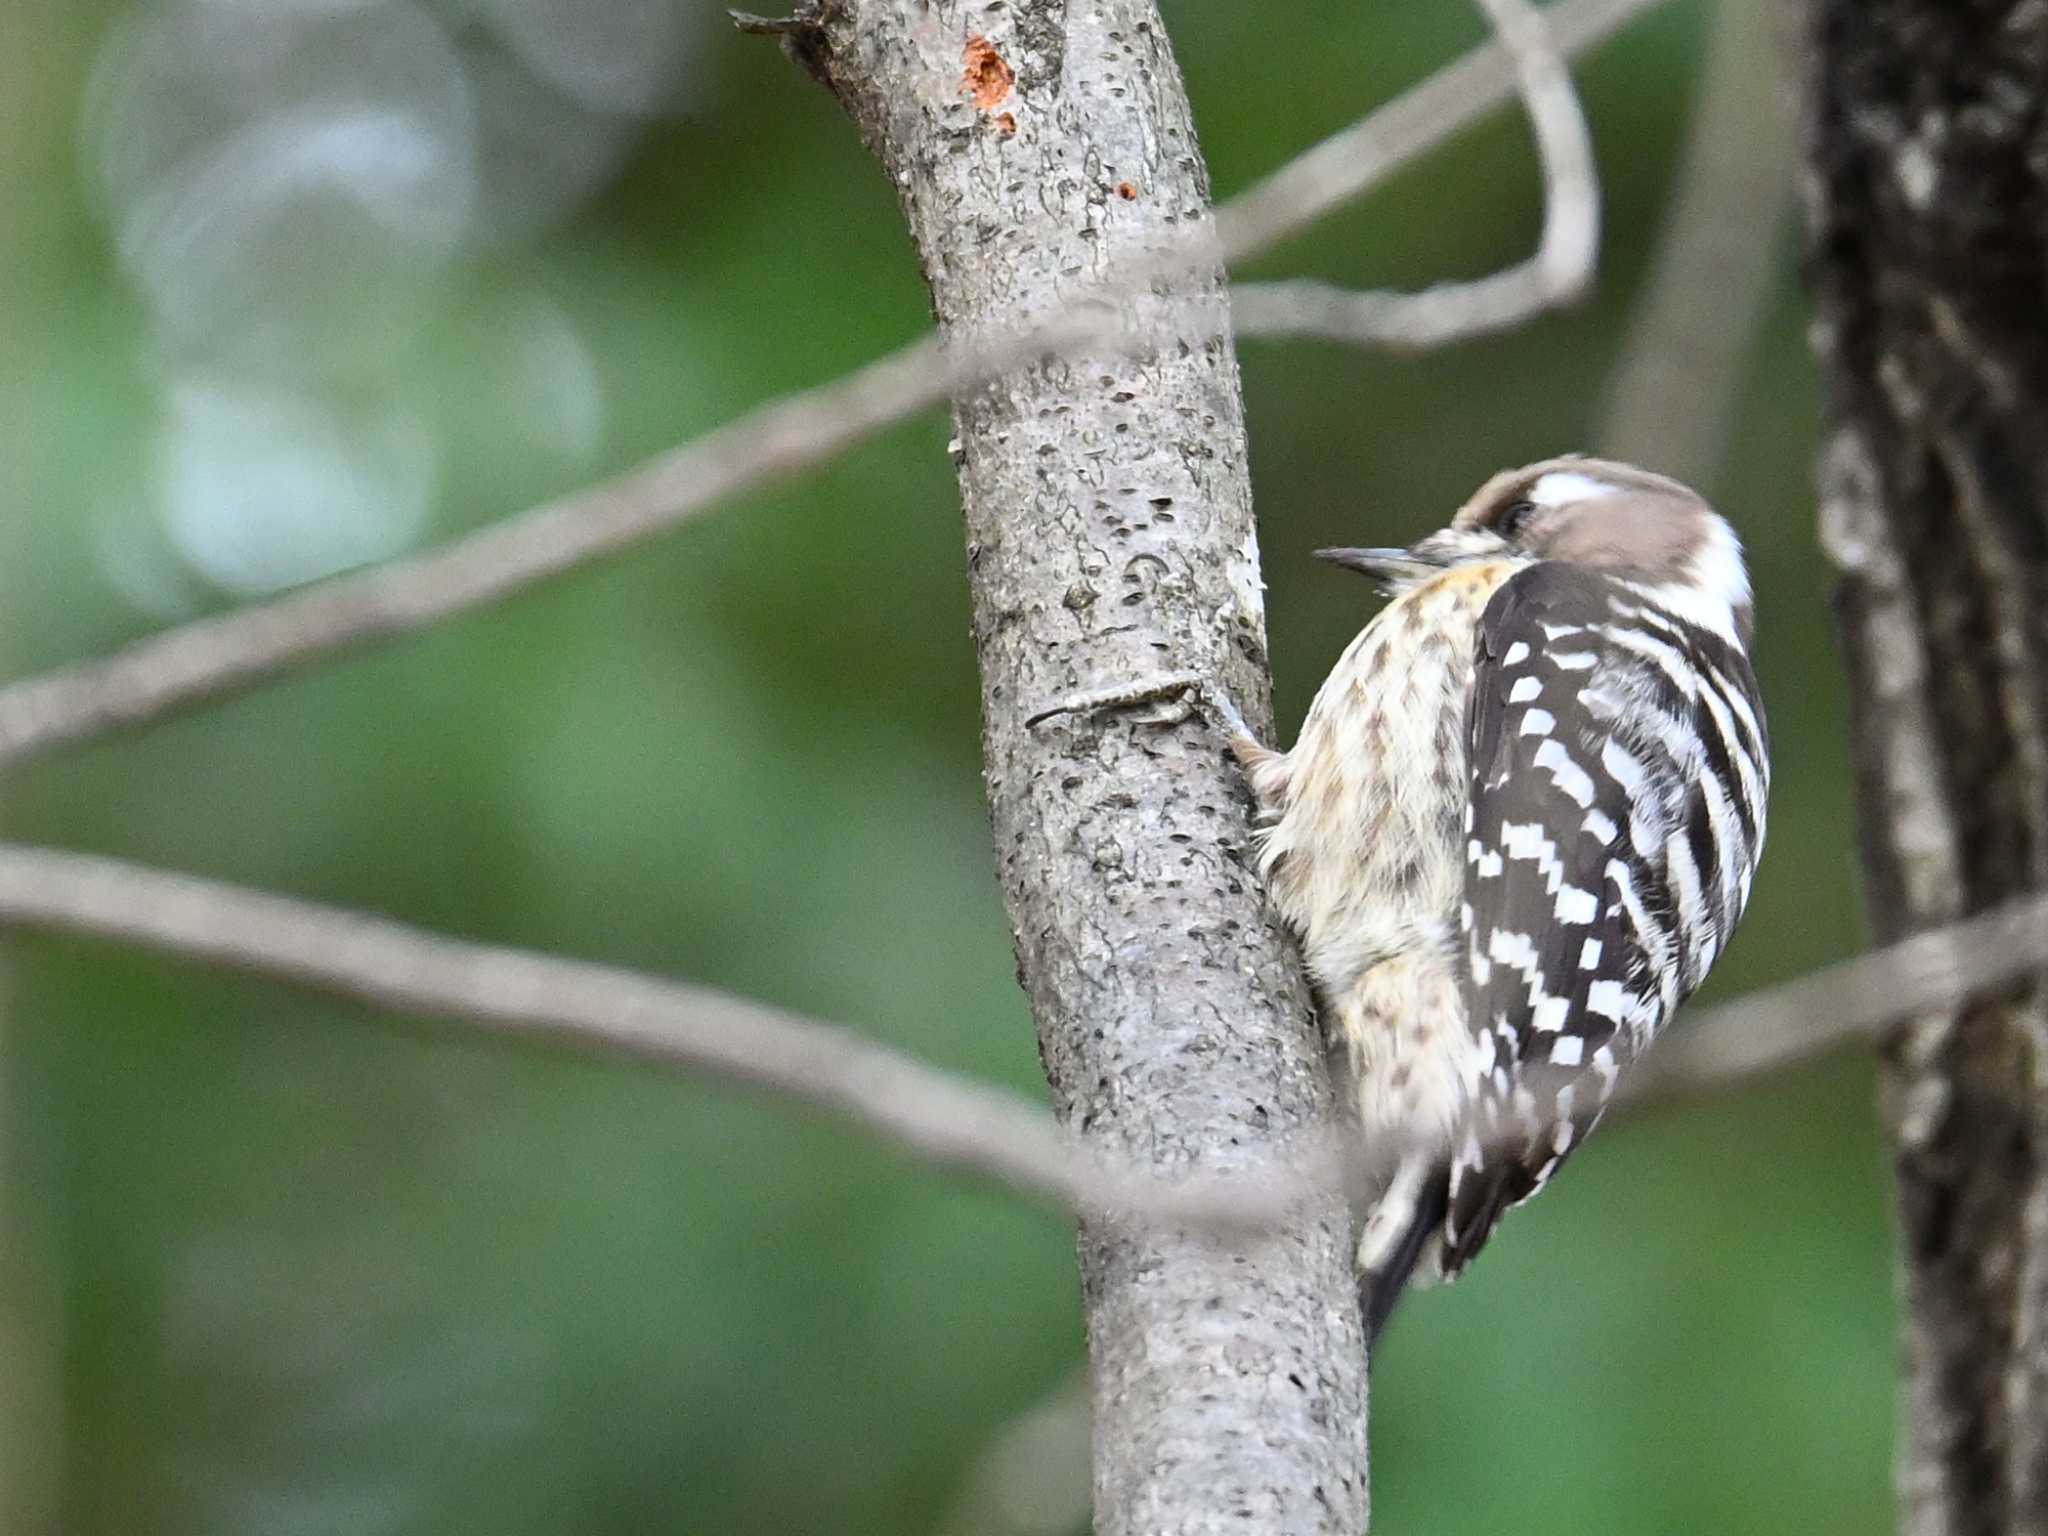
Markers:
(289, 1268)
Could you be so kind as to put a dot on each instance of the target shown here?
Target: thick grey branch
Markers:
(1042, 150)
(217, 656)
(1557, 274)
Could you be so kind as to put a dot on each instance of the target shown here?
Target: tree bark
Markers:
(1928, 184)
(1110, 539)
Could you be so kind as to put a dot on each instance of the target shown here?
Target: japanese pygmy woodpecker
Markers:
(1519, 823)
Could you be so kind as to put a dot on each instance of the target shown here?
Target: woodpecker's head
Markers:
(1644, 528)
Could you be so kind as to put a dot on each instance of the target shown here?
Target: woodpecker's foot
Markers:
(1167, 697)
(1264, 769)
(1173, 698)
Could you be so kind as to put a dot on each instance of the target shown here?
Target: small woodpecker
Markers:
(1519, 823)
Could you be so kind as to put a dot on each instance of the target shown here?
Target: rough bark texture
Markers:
(1110, 539)
(1927, 159)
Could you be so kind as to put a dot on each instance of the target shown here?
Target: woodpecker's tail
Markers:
(1398, 1231)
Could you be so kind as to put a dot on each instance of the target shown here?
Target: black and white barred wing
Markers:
(1616, 812)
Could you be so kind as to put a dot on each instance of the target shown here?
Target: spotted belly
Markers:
(1365, 855)
(1404, 1047)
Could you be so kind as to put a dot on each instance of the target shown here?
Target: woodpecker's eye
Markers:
(1515, 517)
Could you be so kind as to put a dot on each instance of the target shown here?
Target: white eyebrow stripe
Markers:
(1563, 486)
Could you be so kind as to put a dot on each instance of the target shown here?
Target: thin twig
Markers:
(1557, 273)
(1354, 160)
(941, 1119)
(212, 657)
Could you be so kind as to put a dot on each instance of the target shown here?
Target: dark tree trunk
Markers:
(1927, 170)
(1109, 533)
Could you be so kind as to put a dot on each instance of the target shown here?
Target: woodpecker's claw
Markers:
(1171, 691)
(1265, 769)
(1224, 712)
(1178, 691)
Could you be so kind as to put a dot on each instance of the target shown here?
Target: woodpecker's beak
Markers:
(1389, 568)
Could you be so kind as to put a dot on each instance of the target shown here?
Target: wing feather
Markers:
(1616, 815)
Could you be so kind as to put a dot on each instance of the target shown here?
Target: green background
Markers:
(277, 1265)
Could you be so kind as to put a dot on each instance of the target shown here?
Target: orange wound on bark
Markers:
(987, 78)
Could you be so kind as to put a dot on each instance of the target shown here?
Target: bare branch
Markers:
(1357, 159)
(946, 1121)
(213, 657)
(1719, 1049)
(222, 655)
(614, 1014)
(1557, 274)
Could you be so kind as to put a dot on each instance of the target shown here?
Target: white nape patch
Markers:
(1516, 654)
(1717, 564)
(1717, 583)
(1561, 487)
(1525, 689)
(1567, 1051)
